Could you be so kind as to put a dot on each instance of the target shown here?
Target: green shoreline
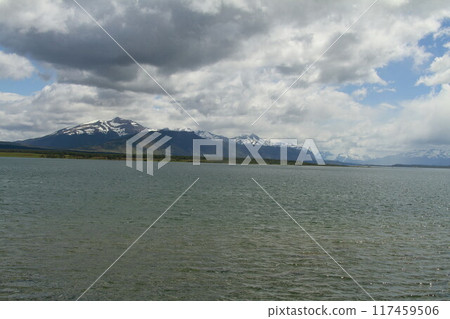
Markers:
(68, 154)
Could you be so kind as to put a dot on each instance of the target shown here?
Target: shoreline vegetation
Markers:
(69, 154)
(72, 154)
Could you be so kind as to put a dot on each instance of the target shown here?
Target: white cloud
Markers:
(61, 105)
(42, 16)
(444, 32)
(425, 120)
(227, 92)
(13, 66)
(440, 68)
(360, 94)
(384, 89)
(6, 97)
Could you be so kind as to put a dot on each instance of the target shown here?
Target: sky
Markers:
(363, 80)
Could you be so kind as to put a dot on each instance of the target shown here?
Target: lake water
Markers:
(63, 222)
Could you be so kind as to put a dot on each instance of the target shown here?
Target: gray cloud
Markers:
(165, 34)
(226, 61)
(15, 67)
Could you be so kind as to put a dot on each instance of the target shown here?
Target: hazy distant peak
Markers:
(251, 139)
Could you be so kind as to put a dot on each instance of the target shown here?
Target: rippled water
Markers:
(63, 222)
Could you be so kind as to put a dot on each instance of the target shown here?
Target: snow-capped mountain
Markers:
(256, 140)
(430, 157)
(204, 134)
(111, 135)
(117, 125)
(210, 136)
(252, 139)
(433, 157)
(87, 134)
(431, 153)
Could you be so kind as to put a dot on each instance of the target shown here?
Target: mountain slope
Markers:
(431, 157)
(16, 146)
(87, 134)
(181, 144)
(111, 136)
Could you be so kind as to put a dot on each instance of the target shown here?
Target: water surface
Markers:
(63, 222)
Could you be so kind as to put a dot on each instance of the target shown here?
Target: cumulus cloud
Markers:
(188, 35)
(425, 120)
(13, 66)
(360, 94)
(25, 16)
(226, 61)
(440, 69)
(165, 34)
(61, 105)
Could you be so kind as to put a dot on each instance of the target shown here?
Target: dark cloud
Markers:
(164, 34)
(225, 61)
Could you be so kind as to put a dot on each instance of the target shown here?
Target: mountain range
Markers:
(111, 136)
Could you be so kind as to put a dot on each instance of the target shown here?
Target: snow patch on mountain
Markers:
(431, 153)
(252, 139)
(210, 136)
(119, 126)
(98, 132)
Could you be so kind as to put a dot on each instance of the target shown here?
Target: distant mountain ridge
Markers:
(431, 157)
(111, 136)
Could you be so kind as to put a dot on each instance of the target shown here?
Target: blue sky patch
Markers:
(402, 76)
(28, 86)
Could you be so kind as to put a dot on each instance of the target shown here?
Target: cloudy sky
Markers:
(381, 88)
